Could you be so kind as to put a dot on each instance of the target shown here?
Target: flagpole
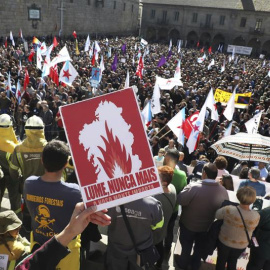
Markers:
(165, 134)
(160, 130)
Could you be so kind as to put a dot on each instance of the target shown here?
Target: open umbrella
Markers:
(244, 146)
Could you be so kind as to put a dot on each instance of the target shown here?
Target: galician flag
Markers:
(43, 48)
(39, 58)
(168, 84)
(177, 73)
(146, 114)
(62, 56)
(229, 111)
(228, 131)
(18, 91)
(127, 80)
(87, 44)
(8, 85)
(12, 39)
(201, 59)
(155, 101)
(197, 128)
(176, 125)
(47, 62)
(212, 63)
(252, 125)
(68, 73)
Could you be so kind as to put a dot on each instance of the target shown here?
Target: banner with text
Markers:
(241, 100)
(110, 150)
(239, 49)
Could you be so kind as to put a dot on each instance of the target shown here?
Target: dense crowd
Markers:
(36, 122)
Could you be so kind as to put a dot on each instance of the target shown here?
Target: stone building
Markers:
(211, 22)
(46, 17)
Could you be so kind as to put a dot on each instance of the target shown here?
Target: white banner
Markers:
(239, 49)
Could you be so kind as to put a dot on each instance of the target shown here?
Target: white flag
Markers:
(87, 44)
(170, 45)
(179, 46)
(223, 67)
(43, 48)
(212, 63)
(39, 58)
(197, 128)
(177, 73)
(252, 125)
(233, 53)
(135, 47)
(62, 56)
(268, 74)
(201, 59)
(211, 104)
(168, 84)
(68, 73)
(229, 111)
(264, 63)
(127, 80)
(228, 131)
(47, 62)
(11, 38)
(96, 50)
(144, 42)
(146, 114)
(176, 125)
(101, 65)
(155, 102)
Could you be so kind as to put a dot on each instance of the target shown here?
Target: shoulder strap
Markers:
(128, 227)
(168, 200)
(244, 224)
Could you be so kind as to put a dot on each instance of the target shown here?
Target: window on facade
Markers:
(195, 17)
(124, 7)
(222, 20)
(164, 15)
(176, 16)
(153, 14)
(208, 19)
(243, 22)
(114, 4)
(258, 25)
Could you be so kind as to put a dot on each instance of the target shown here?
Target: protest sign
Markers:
(241, 100)
(3, 261)
(110, 150)
(95, 77)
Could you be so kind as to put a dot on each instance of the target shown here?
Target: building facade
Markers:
(236, 22)
(48, 17)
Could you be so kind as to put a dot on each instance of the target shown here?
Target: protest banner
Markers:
(95, 77)
(110, 150)
(239, 49)
(241, 100)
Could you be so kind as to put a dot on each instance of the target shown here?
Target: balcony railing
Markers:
(258, 31)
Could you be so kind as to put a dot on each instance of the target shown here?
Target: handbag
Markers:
(148, 256)
(253, 241)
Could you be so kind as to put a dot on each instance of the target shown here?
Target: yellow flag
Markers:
(77, 48)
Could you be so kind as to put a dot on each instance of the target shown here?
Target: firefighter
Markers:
(8, 142)
(26, 158)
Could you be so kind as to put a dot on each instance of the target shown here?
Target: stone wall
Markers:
(85, 16)
(182, 26)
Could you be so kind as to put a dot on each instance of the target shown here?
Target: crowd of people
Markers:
(33, 162)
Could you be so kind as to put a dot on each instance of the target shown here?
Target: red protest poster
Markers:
(110, 150)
